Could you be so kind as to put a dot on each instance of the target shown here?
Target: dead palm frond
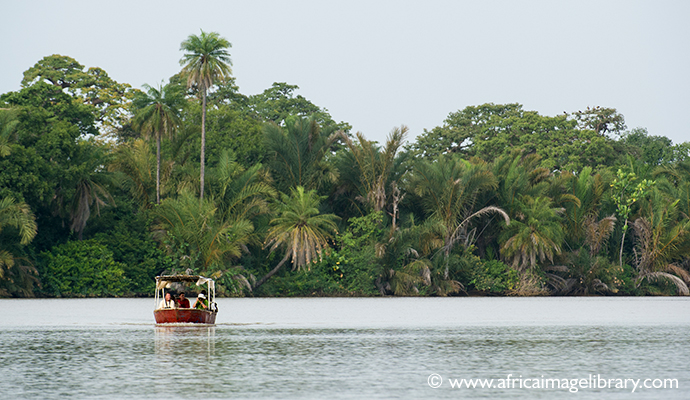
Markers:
(456, 235)
(598, 232)
(681, 286)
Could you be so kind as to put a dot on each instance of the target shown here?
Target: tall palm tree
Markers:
(206, 61)
(300, 228)
(157, 112)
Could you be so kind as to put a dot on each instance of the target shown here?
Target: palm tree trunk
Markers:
(620, 257)
(158, 168)
(273, 271)
(203, 140)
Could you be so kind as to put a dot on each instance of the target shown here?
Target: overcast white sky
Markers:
(379, 64)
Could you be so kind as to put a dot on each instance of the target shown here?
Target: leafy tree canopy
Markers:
(110, 99)
(279, 102)
(488, 131)
(654, 150)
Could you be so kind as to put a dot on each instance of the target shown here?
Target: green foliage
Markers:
(81, 269)
(447, 191)
(133, 166)
(234, 130)
(601, 120)
(350, 270)
(371, 174)
(355, 264)
(494, 277)
(625, 193)
(585, 274)
(297, 154)
(362, 231)
(301, 228)
(195, 233)
(279, 103)
(130, 241)
(536, 236)
(17, 229)
(206, 59)
(8, 125)
(316, 282)
(158, 113)
(279, 166)
(110, 101)
(653, 150)
(490, 131)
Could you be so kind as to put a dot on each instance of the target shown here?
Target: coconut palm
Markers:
(205, 62)
(157, 112)
(300, 228)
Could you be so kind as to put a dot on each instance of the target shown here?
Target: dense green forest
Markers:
(103, 187)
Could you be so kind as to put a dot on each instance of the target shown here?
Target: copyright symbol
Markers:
(434, 381)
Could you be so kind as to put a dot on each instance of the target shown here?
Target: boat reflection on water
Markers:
(179, 342)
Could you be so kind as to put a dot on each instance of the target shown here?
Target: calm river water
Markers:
(349, 348)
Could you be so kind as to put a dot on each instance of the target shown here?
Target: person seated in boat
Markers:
(167, 302)
(182, 301)
(201, 303)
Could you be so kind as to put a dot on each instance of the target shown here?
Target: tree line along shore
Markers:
(104, 186)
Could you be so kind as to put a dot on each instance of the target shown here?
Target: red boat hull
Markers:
(184, 315)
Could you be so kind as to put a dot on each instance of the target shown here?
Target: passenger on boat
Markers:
(167, 302)
(201, 303)
(182, 301)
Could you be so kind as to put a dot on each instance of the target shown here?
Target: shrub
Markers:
(81, 269)
(495, 277)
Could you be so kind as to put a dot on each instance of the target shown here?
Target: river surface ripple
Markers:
(347, 348)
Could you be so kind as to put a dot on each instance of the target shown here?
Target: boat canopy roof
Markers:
(165, 280)
(181, 278)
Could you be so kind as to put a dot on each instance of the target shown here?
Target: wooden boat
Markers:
(185, 315)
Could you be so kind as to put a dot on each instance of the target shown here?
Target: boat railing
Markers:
(165, 281)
